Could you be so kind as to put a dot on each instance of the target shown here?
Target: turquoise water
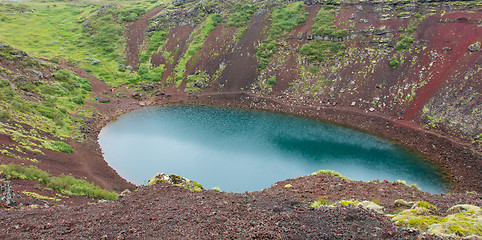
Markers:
(245, 150)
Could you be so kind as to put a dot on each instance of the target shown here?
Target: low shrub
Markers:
(404, 43)
(272, 81)
(394, 63)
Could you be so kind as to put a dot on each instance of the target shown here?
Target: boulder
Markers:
(137, 95)
(474, 47)
(446, 49)
(464, 208)
(175, 180)
(148, 87)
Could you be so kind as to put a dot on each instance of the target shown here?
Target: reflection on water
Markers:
(242, 150)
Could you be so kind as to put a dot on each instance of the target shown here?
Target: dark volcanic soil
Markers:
(166, 211)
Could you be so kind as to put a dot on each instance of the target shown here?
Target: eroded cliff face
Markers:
(414, 61)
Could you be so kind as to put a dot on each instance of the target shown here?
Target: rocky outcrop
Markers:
(474, 47)
(181, 2)
(6, 193)
(176, 180)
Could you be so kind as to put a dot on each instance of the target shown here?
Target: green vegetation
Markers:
(320, 202)
(156, 42)
(324, 23)
(59, 146)
(404, 43)
(318, 50)
(241, 15)
(394, 63)
(465, 221)
(199, 37)
(134, 9)
(88, 35)
(60, 97)
(240, 18)
(63, 184)
(38, 196)
(284, 19)
(175, 180)
(100, 33)
(195, 83)
(148, 74)
(272, 81)
(331, 173)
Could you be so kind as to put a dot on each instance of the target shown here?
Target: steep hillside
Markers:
(403, 59)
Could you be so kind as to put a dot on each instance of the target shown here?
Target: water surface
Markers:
(245, 150)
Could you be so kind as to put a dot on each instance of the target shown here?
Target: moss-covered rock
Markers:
(175, 180)
(331, 173)
(463, 220)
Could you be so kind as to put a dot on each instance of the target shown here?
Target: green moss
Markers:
(465, 221)
(404, 42)
(331, 173)
(320, 202)
(62, 147)
(38, 196)
(402, 203)
(176, 180)
(423, 204)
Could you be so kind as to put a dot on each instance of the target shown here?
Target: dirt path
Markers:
(135, 35)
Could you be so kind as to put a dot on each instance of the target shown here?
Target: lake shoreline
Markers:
(452, 155)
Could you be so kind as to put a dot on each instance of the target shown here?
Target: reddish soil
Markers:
(457, 35)
(177, 44)
(242, 69)
(135, 35)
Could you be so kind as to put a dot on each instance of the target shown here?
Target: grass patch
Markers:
(241, 15)
(319, 51)
(63, 184)
(59, 146)
(284, 19)
(198, 38)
